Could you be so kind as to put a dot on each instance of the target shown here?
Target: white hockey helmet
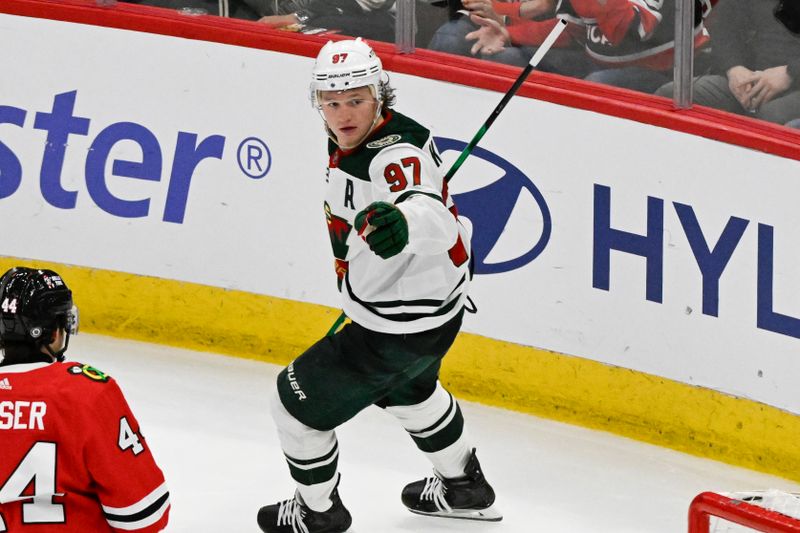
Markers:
(344, 65)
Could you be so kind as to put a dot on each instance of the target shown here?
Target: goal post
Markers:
(754, 510)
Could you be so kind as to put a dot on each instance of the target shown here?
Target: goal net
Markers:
(769, 511)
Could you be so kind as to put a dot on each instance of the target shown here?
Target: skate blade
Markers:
(490, 514)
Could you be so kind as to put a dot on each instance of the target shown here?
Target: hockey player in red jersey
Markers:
(402, 264)
(72, 456)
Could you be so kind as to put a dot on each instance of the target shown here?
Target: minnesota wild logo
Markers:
(338, 229)
(385, 141)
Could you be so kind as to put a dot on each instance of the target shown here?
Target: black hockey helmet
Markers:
(34, 304)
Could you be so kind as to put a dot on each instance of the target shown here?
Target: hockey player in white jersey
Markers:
(402, 262)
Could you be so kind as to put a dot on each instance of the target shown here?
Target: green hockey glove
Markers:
(389, 233)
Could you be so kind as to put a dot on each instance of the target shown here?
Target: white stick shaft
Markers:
(548, 42)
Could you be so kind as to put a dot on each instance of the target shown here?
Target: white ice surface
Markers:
(205, 417)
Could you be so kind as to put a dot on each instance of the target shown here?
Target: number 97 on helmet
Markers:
(344, 65)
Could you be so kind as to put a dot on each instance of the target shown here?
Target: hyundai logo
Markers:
(491, 209)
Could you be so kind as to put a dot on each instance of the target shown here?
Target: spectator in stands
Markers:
(371, 19)
(230, 8)
(756, 64)
(634, 40)
(629, 43)
(450, 37)
(501, 31)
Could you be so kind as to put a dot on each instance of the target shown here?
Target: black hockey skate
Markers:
(469, 497)
(293, 516)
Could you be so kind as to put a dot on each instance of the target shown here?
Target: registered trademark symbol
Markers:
(254, 157)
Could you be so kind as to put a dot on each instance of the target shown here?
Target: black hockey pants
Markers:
(342, 374)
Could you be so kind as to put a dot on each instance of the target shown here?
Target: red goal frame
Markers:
(708, 504)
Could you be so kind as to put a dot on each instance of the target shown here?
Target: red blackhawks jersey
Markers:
(72, 457)
(640, 33)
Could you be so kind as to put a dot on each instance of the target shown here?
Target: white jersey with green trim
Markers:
(426, 284)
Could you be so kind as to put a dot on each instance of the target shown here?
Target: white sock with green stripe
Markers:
(436, 425)
(312, 456)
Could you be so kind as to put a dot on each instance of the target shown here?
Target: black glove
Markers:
(390, 230)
